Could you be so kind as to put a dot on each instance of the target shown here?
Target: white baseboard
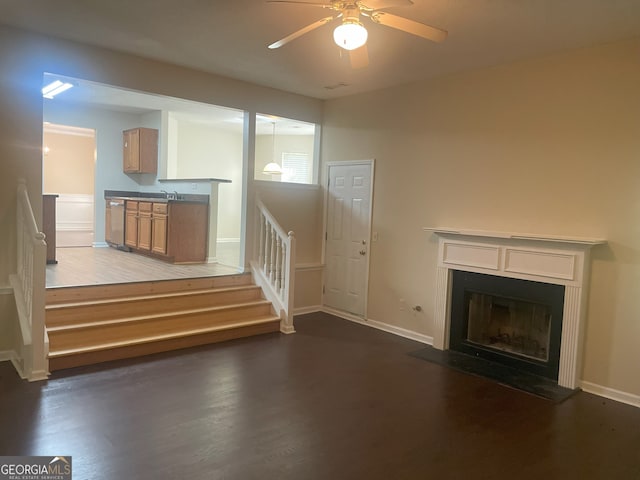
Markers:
(385, 327)
(100, 245)
(227, 240)
(311, 309)
(6, 290)
(74, 238)
(6, 355)
(301, 267)
(611, 393)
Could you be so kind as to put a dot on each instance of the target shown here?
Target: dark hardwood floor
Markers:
(334, 401)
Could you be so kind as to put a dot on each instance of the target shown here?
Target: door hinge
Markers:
(326, 236)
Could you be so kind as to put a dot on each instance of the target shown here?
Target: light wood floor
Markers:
(99, 266)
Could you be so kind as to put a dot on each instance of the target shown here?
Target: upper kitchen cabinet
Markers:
(140, 150)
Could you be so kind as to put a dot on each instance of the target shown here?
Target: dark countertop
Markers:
(158, 197)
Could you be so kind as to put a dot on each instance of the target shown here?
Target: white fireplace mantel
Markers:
(542, 258)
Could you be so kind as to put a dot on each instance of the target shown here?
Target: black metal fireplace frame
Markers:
(465, 283)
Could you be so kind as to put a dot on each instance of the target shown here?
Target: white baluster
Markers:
(283, 270)
(272, 256)
(278, 278)
(261, 238)
(267, 236)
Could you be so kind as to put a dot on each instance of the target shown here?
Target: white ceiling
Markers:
(230, 37)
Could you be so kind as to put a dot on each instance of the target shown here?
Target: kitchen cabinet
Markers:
(140, 150)
(144, 225)
(187, 231)
(159, 229)
(174, 231)
(131, 224)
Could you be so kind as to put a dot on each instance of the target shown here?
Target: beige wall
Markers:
(298, 208)
(69, 165)
(549, 146)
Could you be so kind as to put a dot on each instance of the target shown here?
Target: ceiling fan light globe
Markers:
(350, 35)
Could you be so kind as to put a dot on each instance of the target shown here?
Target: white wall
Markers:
(548, 146)
(206, 151)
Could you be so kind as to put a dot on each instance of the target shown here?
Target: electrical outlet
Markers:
(194, 186)
(374, 236)
(403, 305)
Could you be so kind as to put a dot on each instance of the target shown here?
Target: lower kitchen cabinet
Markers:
(173, 231)
(131, 224)
(159, 229)
(187, 231)
(144, 225)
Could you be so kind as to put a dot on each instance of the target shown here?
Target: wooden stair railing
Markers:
(273, 264)
(28, 285)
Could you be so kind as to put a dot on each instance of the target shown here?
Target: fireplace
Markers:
(557, 262)
(510, 321)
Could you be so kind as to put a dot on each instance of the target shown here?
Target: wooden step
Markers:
(172, 323)
(98, 323)
(87, 311)
(161, 343)
(119, 290)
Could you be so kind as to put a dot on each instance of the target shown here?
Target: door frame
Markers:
(371, 163)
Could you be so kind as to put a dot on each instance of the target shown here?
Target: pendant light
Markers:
(273, 168)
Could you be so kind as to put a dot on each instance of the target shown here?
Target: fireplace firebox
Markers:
(511, 321)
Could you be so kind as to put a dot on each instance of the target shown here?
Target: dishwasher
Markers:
(116, 205)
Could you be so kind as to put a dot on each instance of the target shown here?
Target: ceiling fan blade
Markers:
(312, 4)
(381, 4)
(410, 26)
(359, 57)
(300, 32)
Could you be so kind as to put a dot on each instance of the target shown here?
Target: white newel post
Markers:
(547, 259)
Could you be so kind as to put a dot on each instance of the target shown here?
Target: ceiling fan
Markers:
(351, 35)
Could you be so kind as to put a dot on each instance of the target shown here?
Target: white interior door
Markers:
(348, 231)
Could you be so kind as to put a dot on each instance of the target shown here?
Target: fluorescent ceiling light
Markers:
(54, 88)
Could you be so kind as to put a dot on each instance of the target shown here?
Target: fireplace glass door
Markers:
(511, 321)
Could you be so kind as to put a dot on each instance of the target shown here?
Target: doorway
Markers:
(68, 170)
(348, 233)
